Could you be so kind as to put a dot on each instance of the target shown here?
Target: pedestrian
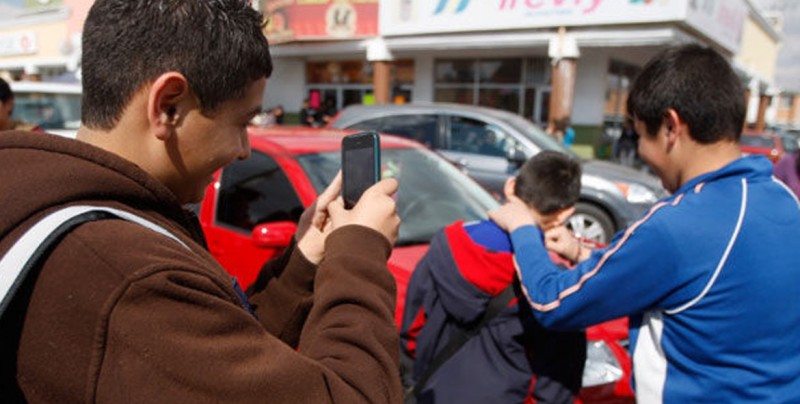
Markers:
(627, 144)
(277, 114)
(308, 115)
(787, 169)
(511, 359)
(271, 117)
(568, 131)
(709, 275)
(326, 112)
(122, 313)
(7, 122)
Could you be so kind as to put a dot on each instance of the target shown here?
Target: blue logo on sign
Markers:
(462, 5)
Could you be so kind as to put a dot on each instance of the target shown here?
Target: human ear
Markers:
(165, 103)
(673, 124)
(508, 187)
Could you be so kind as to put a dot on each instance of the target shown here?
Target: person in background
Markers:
(308, 115)
(787, 169)
(569, 132)
(555, 131)
(7, 122)
(327, 111)
(272, 117)
(122, 313)
(627, 144)
(512, 359)
(709, 275)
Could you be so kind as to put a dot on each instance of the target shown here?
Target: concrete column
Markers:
(380, 56)
(747, 94)
(562, 93)
(563, 51)
(382, 81)
(763, 103)
(794, 110)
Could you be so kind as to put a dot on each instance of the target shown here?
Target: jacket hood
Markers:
(467, 275)
(41, 171)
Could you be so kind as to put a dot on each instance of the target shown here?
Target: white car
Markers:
(55, 107)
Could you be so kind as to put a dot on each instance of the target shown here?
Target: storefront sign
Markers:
(18, 43)
(297, 20)
(404, 17)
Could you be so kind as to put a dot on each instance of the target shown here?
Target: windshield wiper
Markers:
(408, 242)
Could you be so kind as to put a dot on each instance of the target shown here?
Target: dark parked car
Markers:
(491, 145)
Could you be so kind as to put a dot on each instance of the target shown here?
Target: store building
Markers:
(787, 114)
(40, 39)
(541, 59)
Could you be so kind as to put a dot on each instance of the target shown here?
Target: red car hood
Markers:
(401, 264)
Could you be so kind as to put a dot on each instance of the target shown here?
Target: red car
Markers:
(249, 215)
(766, 143)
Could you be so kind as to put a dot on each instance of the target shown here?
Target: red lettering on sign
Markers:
(584, 6)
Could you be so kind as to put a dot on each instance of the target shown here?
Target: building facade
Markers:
(40, 39)
(543, 59)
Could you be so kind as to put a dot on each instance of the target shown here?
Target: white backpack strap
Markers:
(15, 261)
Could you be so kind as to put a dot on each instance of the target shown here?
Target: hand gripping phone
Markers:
(361, 161)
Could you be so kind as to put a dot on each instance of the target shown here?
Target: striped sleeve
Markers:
(628, 277)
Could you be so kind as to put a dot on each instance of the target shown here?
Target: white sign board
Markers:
(18, 43)
(410, 17)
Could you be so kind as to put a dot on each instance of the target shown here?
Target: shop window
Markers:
(537, 71)
(785, 101)
(509, 84)
(501, 98)
(455, 71)
(500, 71)
(403, 72)
(455, 95)
(256, 191)
(618, 81)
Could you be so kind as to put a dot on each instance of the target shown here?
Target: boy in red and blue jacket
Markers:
(512, 359)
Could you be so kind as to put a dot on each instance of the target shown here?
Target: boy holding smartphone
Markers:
(512, 358)
(122, 313)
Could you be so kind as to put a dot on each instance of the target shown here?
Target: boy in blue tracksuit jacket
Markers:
(513, 359)
(709, 276)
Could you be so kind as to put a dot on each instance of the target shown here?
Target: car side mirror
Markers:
(274, 234)
(516, 156)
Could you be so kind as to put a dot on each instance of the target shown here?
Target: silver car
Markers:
(54, 107)
(492, 144)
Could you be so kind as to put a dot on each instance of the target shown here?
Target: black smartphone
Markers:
(361, 161)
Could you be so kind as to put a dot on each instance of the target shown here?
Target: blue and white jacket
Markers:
(710, 277)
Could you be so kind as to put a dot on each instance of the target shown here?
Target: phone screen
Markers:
(360, 162)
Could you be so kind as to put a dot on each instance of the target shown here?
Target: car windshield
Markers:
(758, 141)
(47, 110)
(433, 193)
(535, 134)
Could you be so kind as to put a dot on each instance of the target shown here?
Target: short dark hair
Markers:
(699, 84)
(218, 45)
(5, 91)
(549, 181)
